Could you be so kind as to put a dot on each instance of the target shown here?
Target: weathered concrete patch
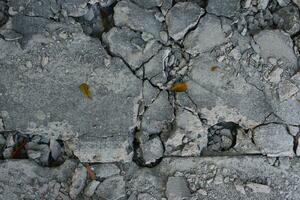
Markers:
(45, 91)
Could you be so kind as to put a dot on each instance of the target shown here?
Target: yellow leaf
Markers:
(85, 89)
(179, 87)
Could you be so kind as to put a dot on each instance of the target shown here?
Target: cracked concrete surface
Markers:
(130, 133)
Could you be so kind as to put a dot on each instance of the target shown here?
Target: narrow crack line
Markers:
(209, 155)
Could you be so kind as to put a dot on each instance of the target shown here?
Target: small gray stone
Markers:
(206, 36)
(226, 8)
(91, 188)
(274, 140)
(177, 188)
(103, 171)
(286, 90)
(112, 188)
(128, 14)
(179, 23)
(55, 149)
(152, 150)
(78, 181)
(38, 152)
(2, 142)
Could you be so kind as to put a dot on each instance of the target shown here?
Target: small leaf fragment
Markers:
(179, 87)
(215, 68)
(85, 89)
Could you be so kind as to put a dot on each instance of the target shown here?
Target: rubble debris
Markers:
(274, 140)
(3, 13)
(177, 188)
(179, 24)
(222, 136)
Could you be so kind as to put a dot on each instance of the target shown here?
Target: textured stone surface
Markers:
(179, 24)
(226, 8)
(129, 14)
(177, 188)
(274, 140)
(207, 35)
(130, 46)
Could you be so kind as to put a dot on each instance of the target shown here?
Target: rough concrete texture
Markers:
(149, 99)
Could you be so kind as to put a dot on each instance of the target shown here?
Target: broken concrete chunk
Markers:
(148, 3)
(103, 171)
(287, 19)
(152, 150)
(91, 188)
(154, 69)
(130, 46)
(226, 8)
(277, 44)
(179, 23)
(206, 36)
(128, 14)
(259, 188)
(78, 181)
(288, 110)
(158, 115)
(274, 140)
(112, 188)
(286, 90)
(177, 188)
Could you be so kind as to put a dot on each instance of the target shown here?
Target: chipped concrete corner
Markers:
(194, 99)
